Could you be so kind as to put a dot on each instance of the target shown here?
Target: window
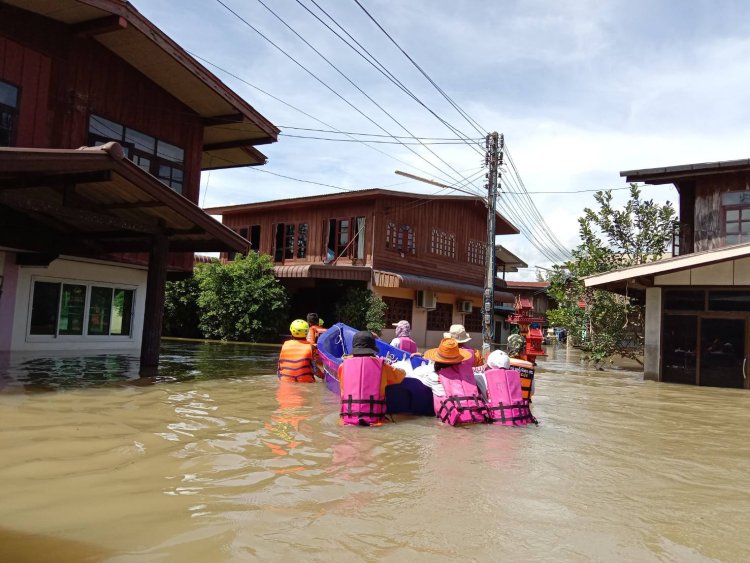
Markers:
(390, 235)
(68, 309)
(736, 225)
(443, 244)
(289, 242)
(255, 237)
(161, 159)
(285, 244)
(345, 238)
(440, 318)
(399, 238)
(474, 321)
(397, 309)
(302, 241)
(8, 114)
(475, 252)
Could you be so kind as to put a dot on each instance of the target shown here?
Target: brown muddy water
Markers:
(217, 462)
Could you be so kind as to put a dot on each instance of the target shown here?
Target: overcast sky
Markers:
(581, 90)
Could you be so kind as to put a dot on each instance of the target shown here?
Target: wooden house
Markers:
(424, 255)
(88, 237)
(698, 301)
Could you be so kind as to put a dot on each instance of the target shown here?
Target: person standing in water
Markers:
(363, 377)
(403, 340)
(316, 328)
(296, 360)
(459, 334)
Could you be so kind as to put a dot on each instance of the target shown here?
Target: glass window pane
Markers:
(141, 141)
(8, 94)
(679, 345)
(728, 301)
(302, 241)
(733, 228)
(44, 308)
(745, 227)
(289, 242)
(733, 215)
(105, 128)
(122, 312)
(278, 247)
(170, 152)
(100, 306)
(684, 300)
(72, 309)
(731, 239)
(142, 162)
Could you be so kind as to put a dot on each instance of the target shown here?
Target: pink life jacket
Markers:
(505, 401)
(407, 344)
(462, 404)
(362, 402)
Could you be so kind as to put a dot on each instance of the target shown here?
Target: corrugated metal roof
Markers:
(393, 279)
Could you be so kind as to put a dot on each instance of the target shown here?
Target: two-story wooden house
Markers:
(424, 255)
(697, 302)
(87, 237)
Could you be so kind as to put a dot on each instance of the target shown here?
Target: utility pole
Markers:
(493, 159)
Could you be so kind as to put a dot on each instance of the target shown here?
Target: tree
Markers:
(181, 315)
(241, 300)
(361, 308)
(608, 323)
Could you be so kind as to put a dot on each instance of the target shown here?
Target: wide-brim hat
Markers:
(448, 352)
(363, 344)
(457, 333)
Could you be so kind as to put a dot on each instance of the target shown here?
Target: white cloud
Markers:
(582, 90)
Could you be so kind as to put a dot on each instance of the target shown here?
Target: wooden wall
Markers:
(78, 76)
(467, 220)
(708, 213)
(64, 78)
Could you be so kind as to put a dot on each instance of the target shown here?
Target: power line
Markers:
(397, 142)
(343, 75)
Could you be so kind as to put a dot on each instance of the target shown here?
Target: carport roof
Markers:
(93, 202)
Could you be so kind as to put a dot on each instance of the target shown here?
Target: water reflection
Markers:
(217, 462)
(179, 361)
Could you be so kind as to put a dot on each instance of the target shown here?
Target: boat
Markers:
(410, 396)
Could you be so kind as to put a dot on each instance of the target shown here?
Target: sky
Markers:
(581, 90)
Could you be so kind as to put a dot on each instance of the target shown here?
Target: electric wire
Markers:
(343, 75)
(372, 60)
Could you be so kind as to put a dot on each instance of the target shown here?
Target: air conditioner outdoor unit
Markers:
(464, 307)
(426, 299)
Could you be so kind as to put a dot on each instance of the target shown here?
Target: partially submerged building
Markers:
(88, 236)
(698, 301)
(423, 254)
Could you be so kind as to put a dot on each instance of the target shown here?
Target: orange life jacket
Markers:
(314, 332)
(296, 362)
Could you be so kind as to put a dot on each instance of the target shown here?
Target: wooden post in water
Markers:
(154, 309)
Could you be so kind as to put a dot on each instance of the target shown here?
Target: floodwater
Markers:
(217, 462)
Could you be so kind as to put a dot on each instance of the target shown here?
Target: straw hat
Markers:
(457, 333)
(448, 352)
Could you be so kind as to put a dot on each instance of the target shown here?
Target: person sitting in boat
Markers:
(460, 401)
(297, 360)
(316, 328)
(500, 385)
(363, 377)
(459, 334)
(403, 340)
